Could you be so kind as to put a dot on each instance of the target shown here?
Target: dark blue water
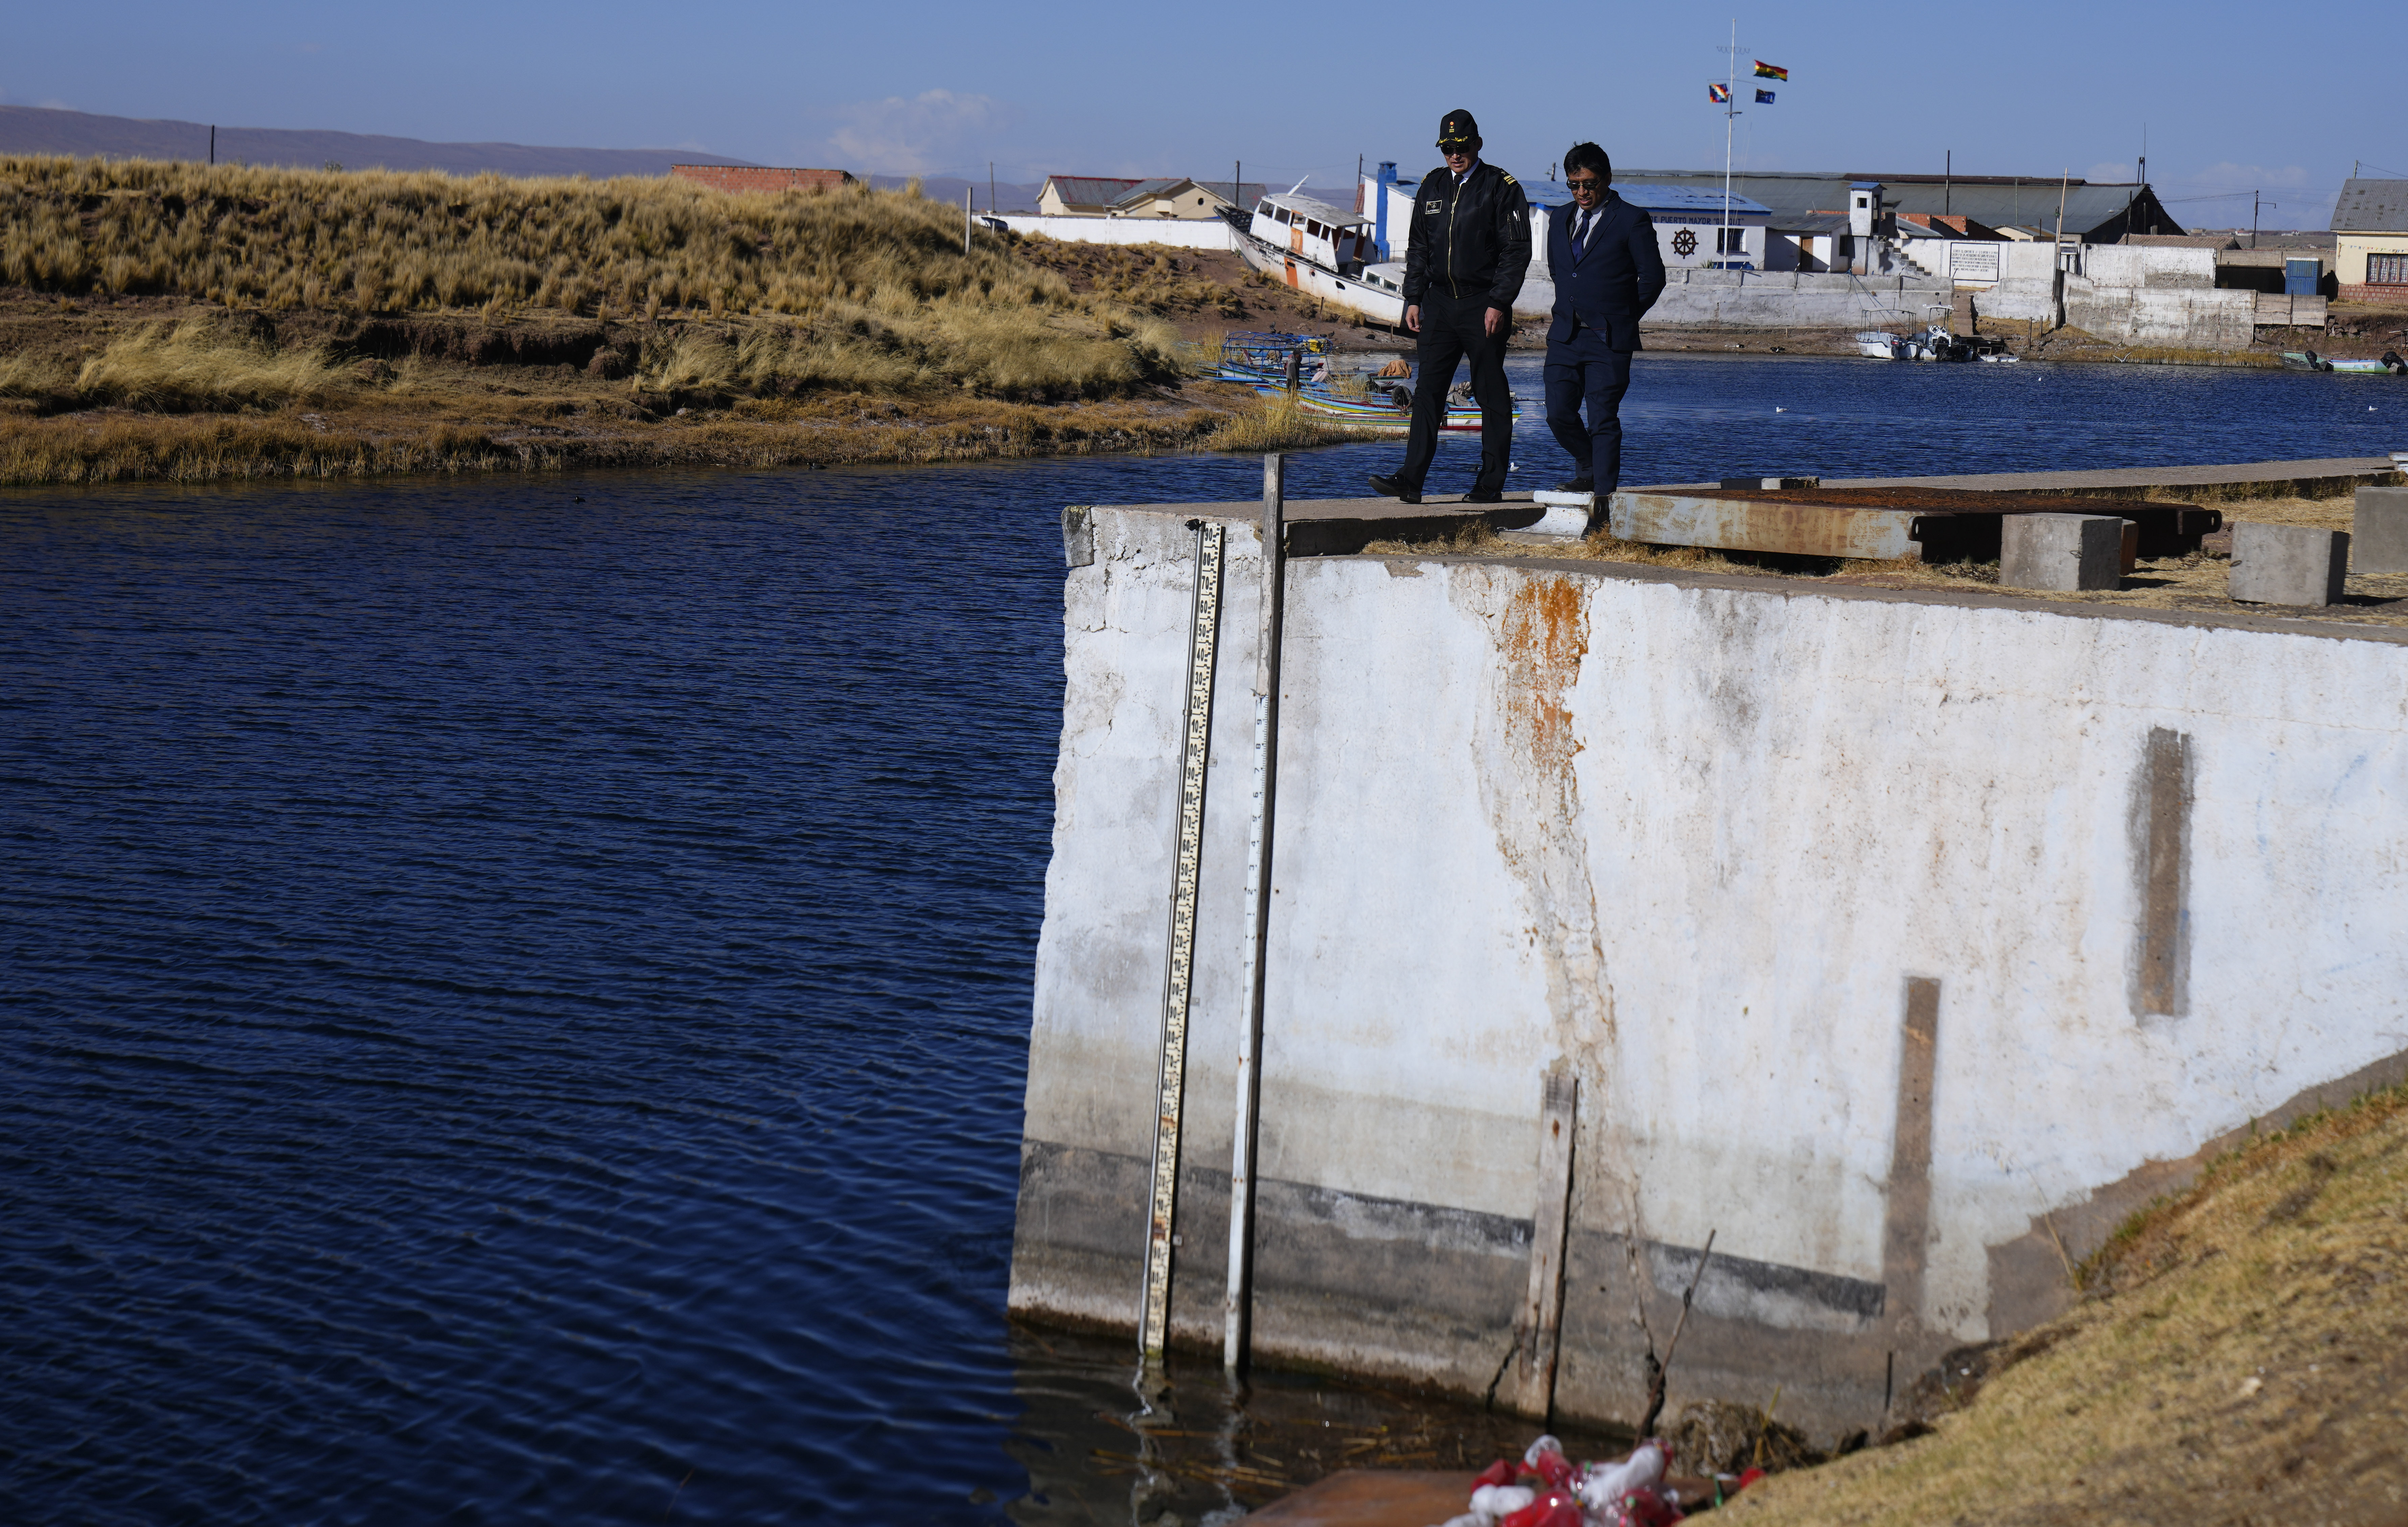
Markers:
(516, 991)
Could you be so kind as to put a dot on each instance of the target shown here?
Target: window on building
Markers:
(2386, 269)
(1730, 242)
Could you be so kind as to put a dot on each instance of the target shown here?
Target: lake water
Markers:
(516, 991)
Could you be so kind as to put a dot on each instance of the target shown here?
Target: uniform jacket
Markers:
(1619, 276)
(1468, 240)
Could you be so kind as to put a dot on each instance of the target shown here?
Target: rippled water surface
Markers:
(516, 991)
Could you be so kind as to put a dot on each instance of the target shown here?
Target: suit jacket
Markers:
(1618, 277)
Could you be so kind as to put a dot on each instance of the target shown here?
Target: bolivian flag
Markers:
(1718, 93)
(1770, 71)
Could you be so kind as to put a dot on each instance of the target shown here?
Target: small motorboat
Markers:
(2387, 364)
(1300, 365)
(1931, 344)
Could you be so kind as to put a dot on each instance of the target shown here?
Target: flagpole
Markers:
(1730, 115)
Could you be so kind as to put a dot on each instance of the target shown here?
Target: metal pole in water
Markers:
(1237, 1306)
(1203, 642)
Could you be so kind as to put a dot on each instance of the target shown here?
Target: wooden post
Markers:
(1238, 1299)
(1542, 1307)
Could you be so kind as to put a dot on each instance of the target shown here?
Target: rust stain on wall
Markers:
(1529, 742)
(1543, 636)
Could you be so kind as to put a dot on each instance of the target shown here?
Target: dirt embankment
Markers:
(2239, 1355)
(464, 392)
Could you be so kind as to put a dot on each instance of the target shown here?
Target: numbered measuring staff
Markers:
(1203, 643)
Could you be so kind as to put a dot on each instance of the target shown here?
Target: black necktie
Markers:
(1580, 234)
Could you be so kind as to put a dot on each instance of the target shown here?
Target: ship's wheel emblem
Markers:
(1685, 243)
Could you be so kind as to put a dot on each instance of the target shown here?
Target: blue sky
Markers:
(2233, 96)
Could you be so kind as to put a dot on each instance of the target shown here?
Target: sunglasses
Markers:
(1585, 182)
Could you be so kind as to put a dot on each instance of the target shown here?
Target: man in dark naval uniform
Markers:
(1465, 258)
(1602, 252)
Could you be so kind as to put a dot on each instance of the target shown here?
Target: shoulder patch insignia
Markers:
(1509, 179)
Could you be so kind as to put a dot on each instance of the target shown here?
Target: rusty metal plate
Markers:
(1743, 521)
(1937, 525)
(1373, 1498)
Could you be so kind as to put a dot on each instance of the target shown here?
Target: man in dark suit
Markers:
(1608, 273)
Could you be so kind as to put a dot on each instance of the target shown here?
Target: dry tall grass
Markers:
(196, 364)
(2242, 1356)
(861, 288)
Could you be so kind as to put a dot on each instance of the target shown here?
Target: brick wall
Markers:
(2374, 294)
(749, 178)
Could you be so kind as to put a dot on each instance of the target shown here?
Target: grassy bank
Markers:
(2241, 1354)
(189, 322)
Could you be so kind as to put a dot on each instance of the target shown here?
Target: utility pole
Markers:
(989, 187)
(213, 143)
(1947, 180)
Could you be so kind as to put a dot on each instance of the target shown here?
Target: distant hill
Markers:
(35, 130)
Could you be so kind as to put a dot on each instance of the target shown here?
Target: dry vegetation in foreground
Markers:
(2241, 1355)
(182, 321)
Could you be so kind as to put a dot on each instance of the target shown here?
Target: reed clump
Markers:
(1275, 424)
(858, 287)
(198, 364)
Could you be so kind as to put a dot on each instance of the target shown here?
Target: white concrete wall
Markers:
(2147, 265)
(1751, 299)
(1690, 838)
(2175, 317)
(1180, 233)
(1694, 840)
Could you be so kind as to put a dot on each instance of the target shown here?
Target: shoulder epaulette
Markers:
(1509, 179)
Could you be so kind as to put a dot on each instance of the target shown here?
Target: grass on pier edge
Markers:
(2239, 1355)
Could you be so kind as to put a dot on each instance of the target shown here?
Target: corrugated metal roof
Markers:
(1236, 195)
(1996, 200)
(2372, 206)
(1655, 197)
(1089, 190)
(1145, 191)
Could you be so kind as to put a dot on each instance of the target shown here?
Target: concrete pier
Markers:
(1903, 940)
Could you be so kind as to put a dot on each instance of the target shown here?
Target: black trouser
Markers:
(1585, 368)
(1452, 330)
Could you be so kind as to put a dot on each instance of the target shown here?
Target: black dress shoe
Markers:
(1393, 488)
(1577, 485)
(1484, 495)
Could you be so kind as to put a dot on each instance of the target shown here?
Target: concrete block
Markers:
(2378, 532)
(2288, 565)
(2064, 552)
(1567, 517)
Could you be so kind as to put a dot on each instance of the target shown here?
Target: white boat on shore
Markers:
(1314, 247)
